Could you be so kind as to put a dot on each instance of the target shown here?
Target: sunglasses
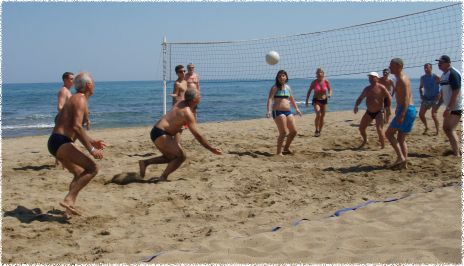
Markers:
(181, 71)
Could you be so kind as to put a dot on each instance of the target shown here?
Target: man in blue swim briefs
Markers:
(164, 131)
(405, 114)
(68, 128)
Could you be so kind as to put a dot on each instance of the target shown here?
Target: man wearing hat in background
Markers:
(450, 86)
(376, 96)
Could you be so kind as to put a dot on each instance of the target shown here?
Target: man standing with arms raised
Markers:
(451, 89)
(405, 114)
(67, 129)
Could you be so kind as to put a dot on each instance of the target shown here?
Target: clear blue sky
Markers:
(121, 41)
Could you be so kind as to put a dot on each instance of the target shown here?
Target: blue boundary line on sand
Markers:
(335, 214)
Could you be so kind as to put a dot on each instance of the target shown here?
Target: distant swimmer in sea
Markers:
(376, 95)
(279, 100)
(68, 128)
(322, 92)
(405, 114)
(429, 90)
(390, 85)
(163, 132)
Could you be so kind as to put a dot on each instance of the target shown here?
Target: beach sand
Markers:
(224, 208)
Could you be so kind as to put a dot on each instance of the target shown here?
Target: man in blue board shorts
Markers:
(405, 114)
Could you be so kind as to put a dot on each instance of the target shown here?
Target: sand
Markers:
(223, 209)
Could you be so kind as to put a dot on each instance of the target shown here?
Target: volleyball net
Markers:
(416, 38)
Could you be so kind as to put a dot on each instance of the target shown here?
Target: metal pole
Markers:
(165, 65)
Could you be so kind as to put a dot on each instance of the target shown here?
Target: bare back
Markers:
(71, 116)
(64, 94)
(403, 91)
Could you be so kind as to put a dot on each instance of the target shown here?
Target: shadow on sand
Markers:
(131, 177)
(25, 215)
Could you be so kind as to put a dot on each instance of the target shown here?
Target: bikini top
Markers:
(282, 93)
(318, 88)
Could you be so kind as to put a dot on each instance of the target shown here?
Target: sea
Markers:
(30, 108)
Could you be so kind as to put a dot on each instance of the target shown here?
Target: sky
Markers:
(121, 41)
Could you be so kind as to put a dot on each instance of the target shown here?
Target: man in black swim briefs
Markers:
(376, 95)
(167, 127)
(67, 129)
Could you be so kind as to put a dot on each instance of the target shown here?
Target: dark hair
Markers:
(66, 75)
(386, 70)
(178, 67)
(428, 64)
(277, 82)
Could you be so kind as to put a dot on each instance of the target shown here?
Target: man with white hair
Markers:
(164, 132)
(67, 129)
(376, 96)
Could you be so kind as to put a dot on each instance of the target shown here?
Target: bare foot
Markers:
(279, 154)
(70, 209)
(142, 168)
(362, 144)
(425, 131)
(400, 164)
(287, 151)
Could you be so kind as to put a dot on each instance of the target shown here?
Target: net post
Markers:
(164, 44)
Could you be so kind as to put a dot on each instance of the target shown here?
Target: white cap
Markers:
(374, 74)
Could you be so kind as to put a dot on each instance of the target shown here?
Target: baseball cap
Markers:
(374, 74)
(444, 59)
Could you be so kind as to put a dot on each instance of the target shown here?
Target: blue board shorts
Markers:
(408, 121)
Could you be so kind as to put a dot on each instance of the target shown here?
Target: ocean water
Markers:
(30, 109)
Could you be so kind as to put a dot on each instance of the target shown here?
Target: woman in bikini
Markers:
(280, 98)
(322, 92)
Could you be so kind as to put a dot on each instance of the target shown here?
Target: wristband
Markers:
(92, 150)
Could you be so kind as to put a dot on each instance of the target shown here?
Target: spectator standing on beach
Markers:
(376, 95)
(390, 85)
(180, 85)
(450, 85)
(65, 91)
(322, 92)
(192, 78)
(163, 132)
(67, 129)
(430, 97)
(279, 100)
(405, 114)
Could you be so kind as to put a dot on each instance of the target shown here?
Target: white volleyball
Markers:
(272, 58)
